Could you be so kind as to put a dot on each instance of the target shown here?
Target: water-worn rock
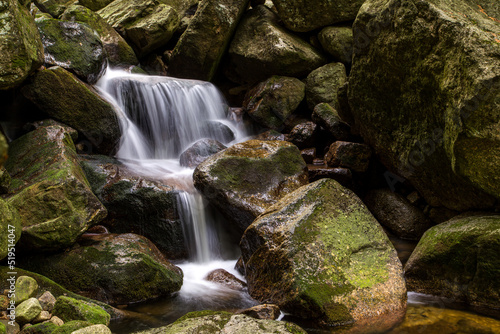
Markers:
(459, 259)
(261, 48)
(397, 214)
(199, 152)
(338, 42)
(28, 310)
(43, 328)
(118, 51)
(67, 309)
(323, 84)
(319, 254)
(246, 178)
(10, 227)
(71, 326)
(304, 134)
(418, 114)
(223, 322)
(354, 156)
(20, 45)
(79, 106)
(136, 204)
(4, 180)
(147, 25)
(113, 268)
(263, 311)
(302, 15)
(51, 192)
(26, 287)
(341, 175)
(198, 53)
(272, 101)
(221, 276)
(94, 5)
(327, 117)
(52, 8)
(47, 300)
(95, 329)
(43, 316)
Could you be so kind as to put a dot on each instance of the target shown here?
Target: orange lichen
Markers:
(484, 12)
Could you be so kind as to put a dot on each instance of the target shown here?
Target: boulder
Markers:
(47, 300)
(42, 317)
(420, 116)
(28, 310)
(263, 311)
(26, 288)
(397, 214)
(272, 101)
(302, 15)
(118, 51)
(4, 181)
(73, 46)
(67, 309)
(199, 51)
(10, 227)
(136, 204)
(221, 276)
(71, 326)
(4, 149)
(354, 156)
(304, 134)
(43, 328)
(246, 178)
(319, 254)
(199, 152)
(458, 259)
(51, 193)
(147, 25)
(308, 154)
(20, 46)
(94, 329)
(94, 5)
(327, 117)
(113, 268)
(323, 84)
(53, 8)
(261, 48)
(64, 97)
(338, 42)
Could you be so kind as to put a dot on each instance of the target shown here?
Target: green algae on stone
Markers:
(41, 328)
(67, 309)
(319, 253)
(4, 149)
(28, 310)
(71, 326)
(10, 228)
(26, 287)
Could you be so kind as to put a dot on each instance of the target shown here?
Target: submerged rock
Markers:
(246, 178)
(199, 152)
(318, 253)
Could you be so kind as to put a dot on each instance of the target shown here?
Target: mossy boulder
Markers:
(67, 309)
(425, 94)
(20, 46)
(272, 101)
(118, 51)
(459, 259)
(10, 227)
(4, 149)
(28, 310)
(200, 49)
(66, 98)
(323, 84)
(245, 179)
(51, 193)
(26, 287)
(94, 329)
(261, 47)
(42, 328)
(113, 268)
(136, 204)
(4, 181)
(211, 322)
(303, 15)
(328, 117)
(338, 41)
(53, 8)
(94, 5)
(318, 253)
(71, 326)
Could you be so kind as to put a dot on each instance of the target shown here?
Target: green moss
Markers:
(71, 326)
(43, 328)
(225, 316)
(68, 309)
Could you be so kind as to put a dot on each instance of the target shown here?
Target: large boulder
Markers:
(113, 268)
(64, 97)
(261, 48)
(199, 51)
(136, 204)
(246, 178)
(10, 228)
(323, 84)
(424, 90)
(119, 52)
(459, 259)
(51, 192)
(319, 254)
(272, 101)
(338, 42)
(20, 44)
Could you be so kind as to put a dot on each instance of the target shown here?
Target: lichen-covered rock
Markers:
(53, 8)
(199, 152)
(10, 227)
(42, 317)
(319, 254)
(28, 310)
(418, 114)
(43, 328)
(136, 204)
(147, 25)
(354, 156)
(198, 53)
(95, 329)
(338, 42)
(327, 117)
(64, 97)
(51, 192)
(261, 48)
(246, 178)
(272, 101)
(67, 309)
(26, 287)
(113, 268)
(323, 84)
(459, 259)
(118, 51)
(20, 45)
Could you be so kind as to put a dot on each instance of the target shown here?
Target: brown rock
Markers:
(349, 155)
(221, 276)
(263, 311)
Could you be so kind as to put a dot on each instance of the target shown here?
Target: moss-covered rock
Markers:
(94, 329)
(20, 46)
(199, 51)
(42, 328)
(26, 287)
(3, 329)
(328, 117)
(28, 310)
(71, 326)
(54, 8)
(199, 152)
(458, 259)
(425, 93)
(10, 227)
(354, 156)
(303, 15)
(246, 178)
(67, 99)
(67, 309)
(323, 84)
(261, 47)
(113, 268)
(338, 42)
(51, 192)
(118, 51)
(4, 149)
(272, 101)
(319, 253)
(4, 181)
(94, 5)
